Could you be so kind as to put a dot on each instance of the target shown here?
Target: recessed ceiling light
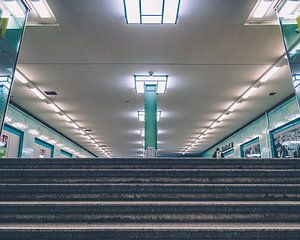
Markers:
(261, 8)
(160, 81)
(19, 76)
(42, 8)
(270, 73)
(249, 92)
(54, 107)
(38, 93)
(151, 11)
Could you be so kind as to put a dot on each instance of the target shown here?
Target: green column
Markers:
(150, 105)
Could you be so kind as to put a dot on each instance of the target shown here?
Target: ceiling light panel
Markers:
(38, 93)
(160, 81)
(151, 11)
(263, 13)
(42, 8)
(262, 8)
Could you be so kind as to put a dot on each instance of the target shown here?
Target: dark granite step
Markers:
(149, 176)
(149, 192)
(149, 212)
(151, 232)
(179, 163)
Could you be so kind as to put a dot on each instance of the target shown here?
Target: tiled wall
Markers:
(32, 128)
(279, 116)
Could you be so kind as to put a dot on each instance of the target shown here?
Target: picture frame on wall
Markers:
(229, 153)
(285, 140)
(251, 149)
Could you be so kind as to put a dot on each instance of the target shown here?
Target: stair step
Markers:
(172, 163)
(144, 192)
(149, 176)
(248, 231)
(126, 212)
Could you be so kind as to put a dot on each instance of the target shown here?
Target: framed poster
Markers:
(11, 142)
(42, 149)
(285, 140)
(251, 149)
(229, 153)
(65, 154)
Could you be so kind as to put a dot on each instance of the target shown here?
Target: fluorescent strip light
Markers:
(38, 93)
(262, 8)
(65, 117)
(171, 9)
(54, 107)
(234, 106)
(222, 117)
(15, 8)
(82, 132)
(132, 11)
(249, 92)
(42, 8)
(74, 125)
(288, 9)
(214, 124)
(269, 74)
(21, 77)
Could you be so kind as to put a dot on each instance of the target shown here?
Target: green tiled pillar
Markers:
(150, 104)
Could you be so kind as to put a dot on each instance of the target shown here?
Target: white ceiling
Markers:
(90, 58)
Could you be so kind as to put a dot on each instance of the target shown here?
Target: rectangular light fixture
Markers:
(160, 81)
(82, 132)
(21, 77)
(222, 117)
(74, 125)
(269, 74)
(214, 124)
(65, 117)
(15, 9)
(262, 8)
(54, 107)
(141, 116)
(42, 8)
(234, 106)
(249, 92)
(151, 11)
(288, 9)
(38, 93)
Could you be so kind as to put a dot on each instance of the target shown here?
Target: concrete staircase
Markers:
(175, 199)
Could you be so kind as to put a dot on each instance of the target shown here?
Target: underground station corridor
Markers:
(149, 120)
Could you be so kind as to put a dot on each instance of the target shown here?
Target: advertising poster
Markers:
(286, 140)
(251, 149)
(3, 145)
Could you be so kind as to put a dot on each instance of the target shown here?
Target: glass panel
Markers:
(289, 17)
(12, 19)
